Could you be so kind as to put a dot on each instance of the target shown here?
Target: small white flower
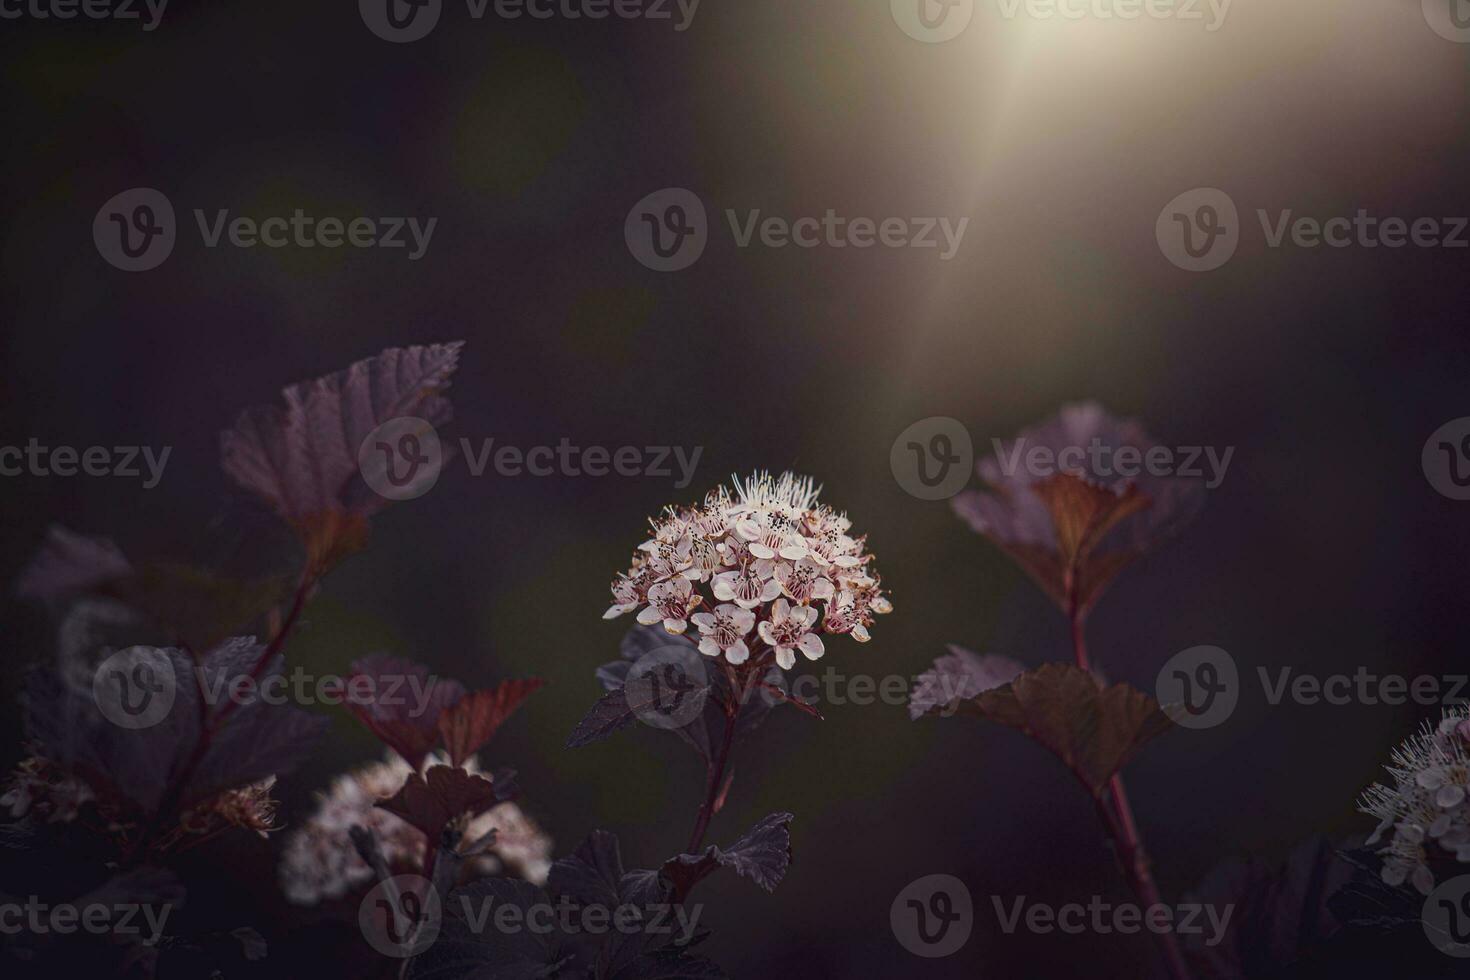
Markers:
(629, 591)
(724, 631)
(1427, 807)
(746, 586)
(790, 629)
(669, 602)
(803, 581)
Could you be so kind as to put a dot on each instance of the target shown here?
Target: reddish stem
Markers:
(1117, 816)
(715, 769)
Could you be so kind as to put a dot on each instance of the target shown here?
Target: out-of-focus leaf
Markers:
(301, 458)
(1084, 521)
(1092, 729)
(1278, 912)
(441, 794)
(258, 739)
(471, 945)
(474, 719)
(70, 564)
(195, 606)
(959, 675)
(403, 705)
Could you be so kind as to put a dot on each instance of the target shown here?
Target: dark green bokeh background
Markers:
(1325, 548)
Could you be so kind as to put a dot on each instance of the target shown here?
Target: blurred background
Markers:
(1324, 549)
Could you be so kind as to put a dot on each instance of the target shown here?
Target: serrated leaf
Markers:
(473, 720)
(957, 676)
(1092, 729)
(762, 854)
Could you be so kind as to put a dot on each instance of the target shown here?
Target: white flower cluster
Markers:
(1427, 806)
(320, 861)
(777, 566)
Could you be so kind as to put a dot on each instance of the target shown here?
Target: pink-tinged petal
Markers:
(743, 620)
(738, 653)
(822, 589)
(704, 621)
(765, 568)
(649, 616)
(793, 551)
(722, 587)
(766, 633)
(771, 590)
(785, 658)
(761, 551)
(860, 633)
(708, 647)
(781, 610)
(676, 626)
(811, 645)
(847, 561)
(748, 529)
(614, 611)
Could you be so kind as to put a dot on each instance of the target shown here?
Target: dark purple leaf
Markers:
(1092, 729)
(959, 675)
(70, 564)
(762, 855)
(403, 703)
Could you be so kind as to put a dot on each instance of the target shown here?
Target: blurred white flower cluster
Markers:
(1427, 806)
(767, 565)
(320, 861)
